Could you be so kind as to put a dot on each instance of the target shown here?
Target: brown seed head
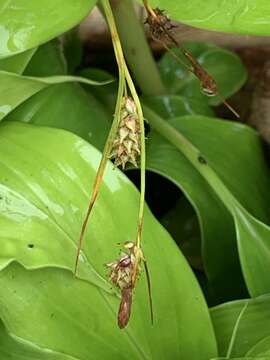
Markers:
(125, 307)
(122, 273)
(159, 24)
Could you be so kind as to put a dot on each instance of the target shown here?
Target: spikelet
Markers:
(159, 25)
(121, 275)
(127, 145)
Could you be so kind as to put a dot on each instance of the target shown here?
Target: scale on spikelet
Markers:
(127, 144)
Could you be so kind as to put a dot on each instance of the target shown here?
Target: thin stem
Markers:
(136, 99)
(107, 147)
(149, 9)
(136, 49)
(102, 166)
(143, 156)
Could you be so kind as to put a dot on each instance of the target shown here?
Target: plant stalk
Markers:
(137, 52)
(194, 156)
(109, 142)
(122, 63)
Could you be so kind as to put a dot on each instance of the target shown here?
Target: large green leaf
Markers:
(221, 164)
(15, 89)
(243, 328)
(47, 61)
(65, 106)
(171, 106)
(182, 223)
(28, 23)
(244, 16)
(46, 177)
(225, 66)
(243, 358)
(216, 224)
(14, 348)
(262, 348)
(17, 63)
(68, 107)
(106, 95)
(213, 218)
(73, 49)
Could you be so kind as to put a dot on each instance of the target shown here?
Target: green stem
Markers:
(137, 52)
(194, 156)
(122, 64)
(143, 156)
(109, 142)
(102, 165)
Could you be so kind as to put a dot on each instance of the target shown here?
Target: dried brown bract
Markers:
(159, 24)
(127, 144)
(122, 273)
(160, 28)
(124, 311)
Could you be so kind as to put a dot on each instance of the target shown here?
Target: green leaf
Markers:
(46, 176)
(73, 49)
(47, 61)
(254, 246)
(243, 328)
(171, 106)
(17, 63)
(14, 348)
(106, 95)
(65, 106)
(225, 67)
(68, 107)
(15, 89)
(244, 16)
(27, 24)
(82, 319)
(215, 222)
(227, 158)
(262, 348)
(182, 223)
(243, 358)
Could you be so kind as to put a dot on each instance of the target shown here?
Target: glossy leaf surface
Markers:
(14, 348)
(44, 194)
(45, 60)
(171, 106)
(244, 16)
(68, 107)
(15, 89)
(17, 63)
(242, 171)
(27, 24)
(244, 358)
(243, 328)
(106, 95)
(48, 60)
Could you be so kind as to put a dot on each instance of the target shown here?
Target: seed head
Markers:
(121, 275)
(159, 24)
(127, 145)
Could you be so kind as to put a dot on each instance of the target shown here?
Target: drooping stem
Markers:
(102, 165)
(137, 52)
(143, 167)
(121, 61)
(107, 147)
